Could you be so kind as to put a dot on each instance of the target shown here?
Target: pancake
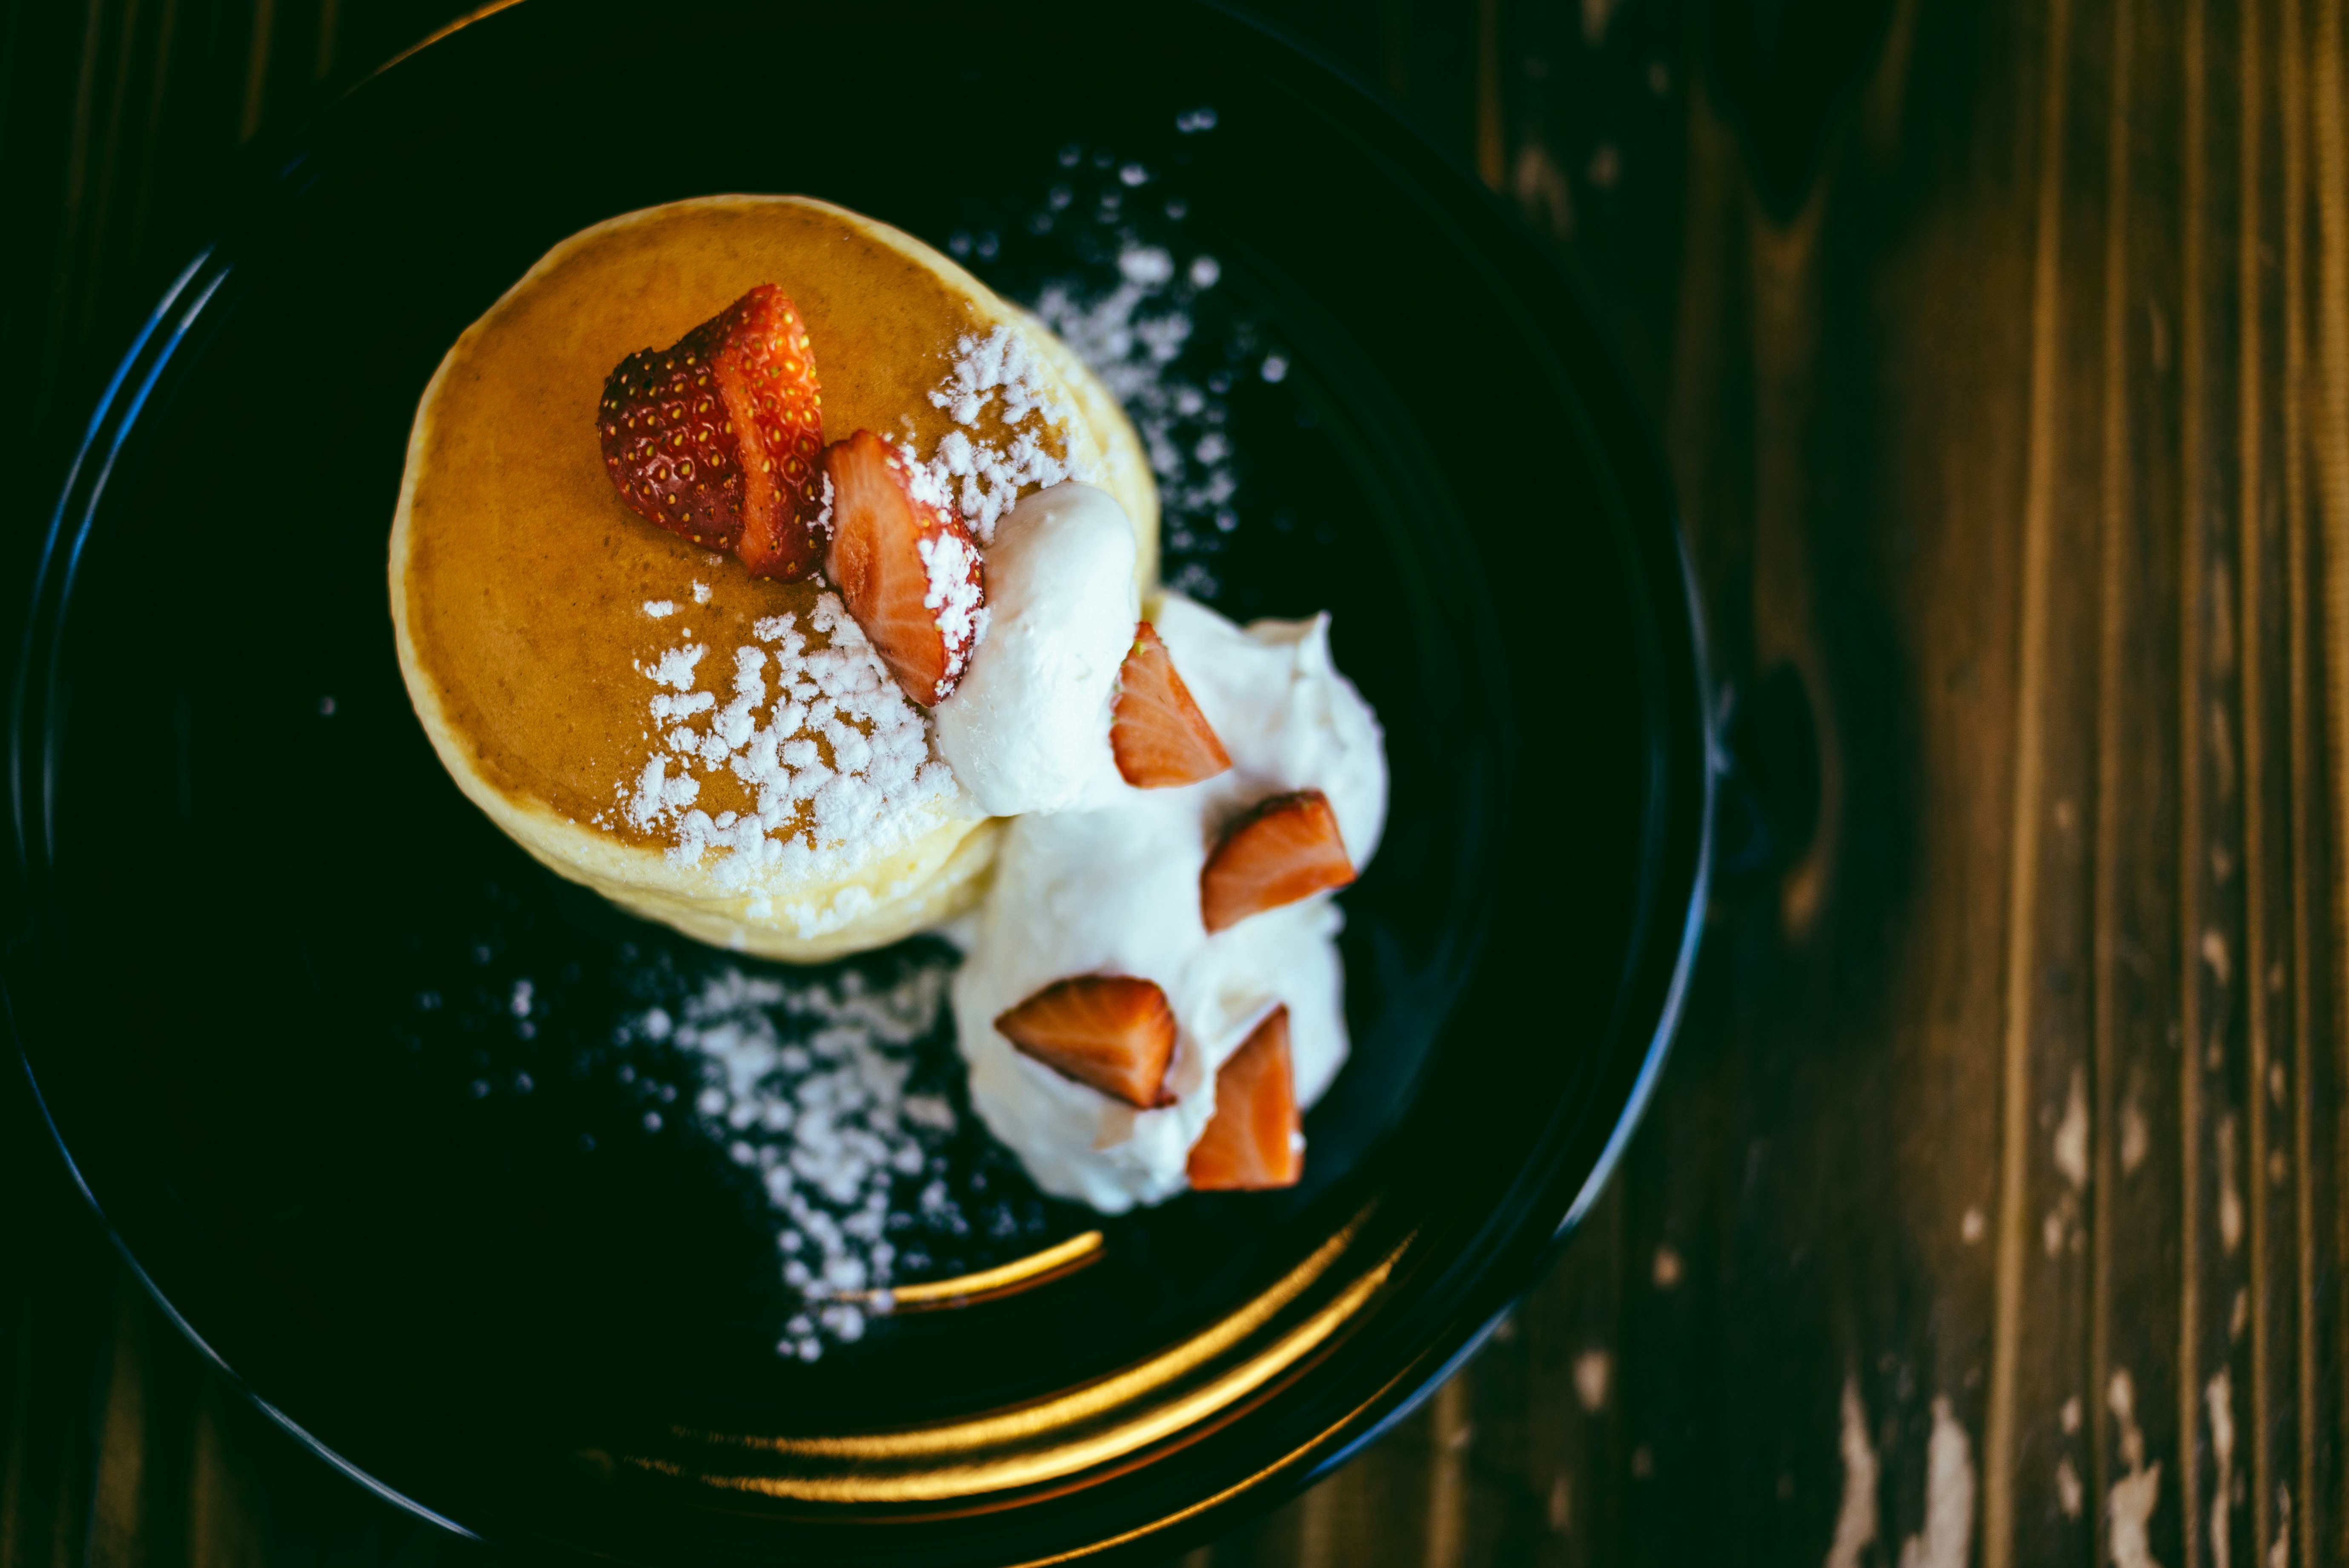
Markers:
(589, 679)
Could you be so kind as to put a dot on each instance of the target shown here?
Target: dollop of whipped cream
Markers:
(1027, 730)
(1113, 887)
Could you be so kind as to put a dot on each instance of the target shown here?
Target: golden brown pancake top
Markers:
(528, 577)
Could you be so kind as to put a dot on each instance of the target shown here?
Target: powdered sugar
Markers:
(1002, 362)
(1131, 338)
(984, 481)
(954, 598)
(982, 477)
(808, 1084)
(659, 609)
(1147, 265)
(665, 707)
(840, 767)
(675, 668)
(824, 512)
(927, 486)
(809, 1125)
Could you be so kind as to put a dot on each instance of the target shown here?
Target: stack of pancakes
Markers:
(524, 591)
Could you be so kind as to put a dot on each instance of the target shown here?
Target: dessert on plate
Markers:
(759, 568)
(552, 642)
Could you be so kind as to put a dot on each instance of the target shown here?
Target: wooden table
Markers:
(1991, 1210)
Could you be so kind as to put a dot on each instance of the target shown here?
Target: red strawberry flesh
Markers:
(1282, 850)
(1113, 1032)
(1158, 735)
(717, 438)
(906, 568)
(1254, 1140)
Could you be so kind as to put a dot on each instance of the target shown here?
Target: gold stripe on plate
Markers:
(1053, 1263)
(426, 42)
(1178, 1389)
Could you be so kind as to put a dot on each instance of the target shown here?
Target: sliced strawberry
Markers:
(1112, 1031)
(1283, 850)
(1158, 733)
(906, 568)
(1255, 1139)
(767, 372)
(717, 437)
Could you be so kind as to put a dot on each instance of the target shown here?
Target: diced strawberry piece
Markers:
(906, 568)
(1284, 849)
(1158, 733)
(1113, 1032)
(1255, 1139)
(717, 438)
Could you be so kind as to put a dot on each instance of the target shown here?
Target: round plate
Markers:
(369, 1097)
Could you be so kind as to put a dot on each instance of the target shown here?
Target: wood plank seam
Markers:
(2330, 441)
(2023, 864)
(2250, 553)
(2191, 551)
(2303, 843)
(2104, 1043)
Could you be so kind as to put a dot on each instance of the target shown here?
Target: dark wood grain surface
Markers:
(1991, 1210)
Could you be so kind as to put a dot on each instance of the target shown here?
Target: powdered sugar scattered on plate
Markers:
(840, 1089)
(828, 1102)
(1100, 253)
(807, 1084)
(1131, 336)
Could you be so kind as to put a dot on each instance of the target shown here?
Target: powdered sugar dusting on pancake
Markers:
(840, 762)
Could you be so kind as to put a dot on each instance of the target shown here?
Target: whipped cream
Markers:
(1027, 728)
(1289, 720)
(1113, 889)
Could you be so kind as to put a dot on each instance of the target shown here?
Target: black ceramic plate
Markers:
(470, 1239)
